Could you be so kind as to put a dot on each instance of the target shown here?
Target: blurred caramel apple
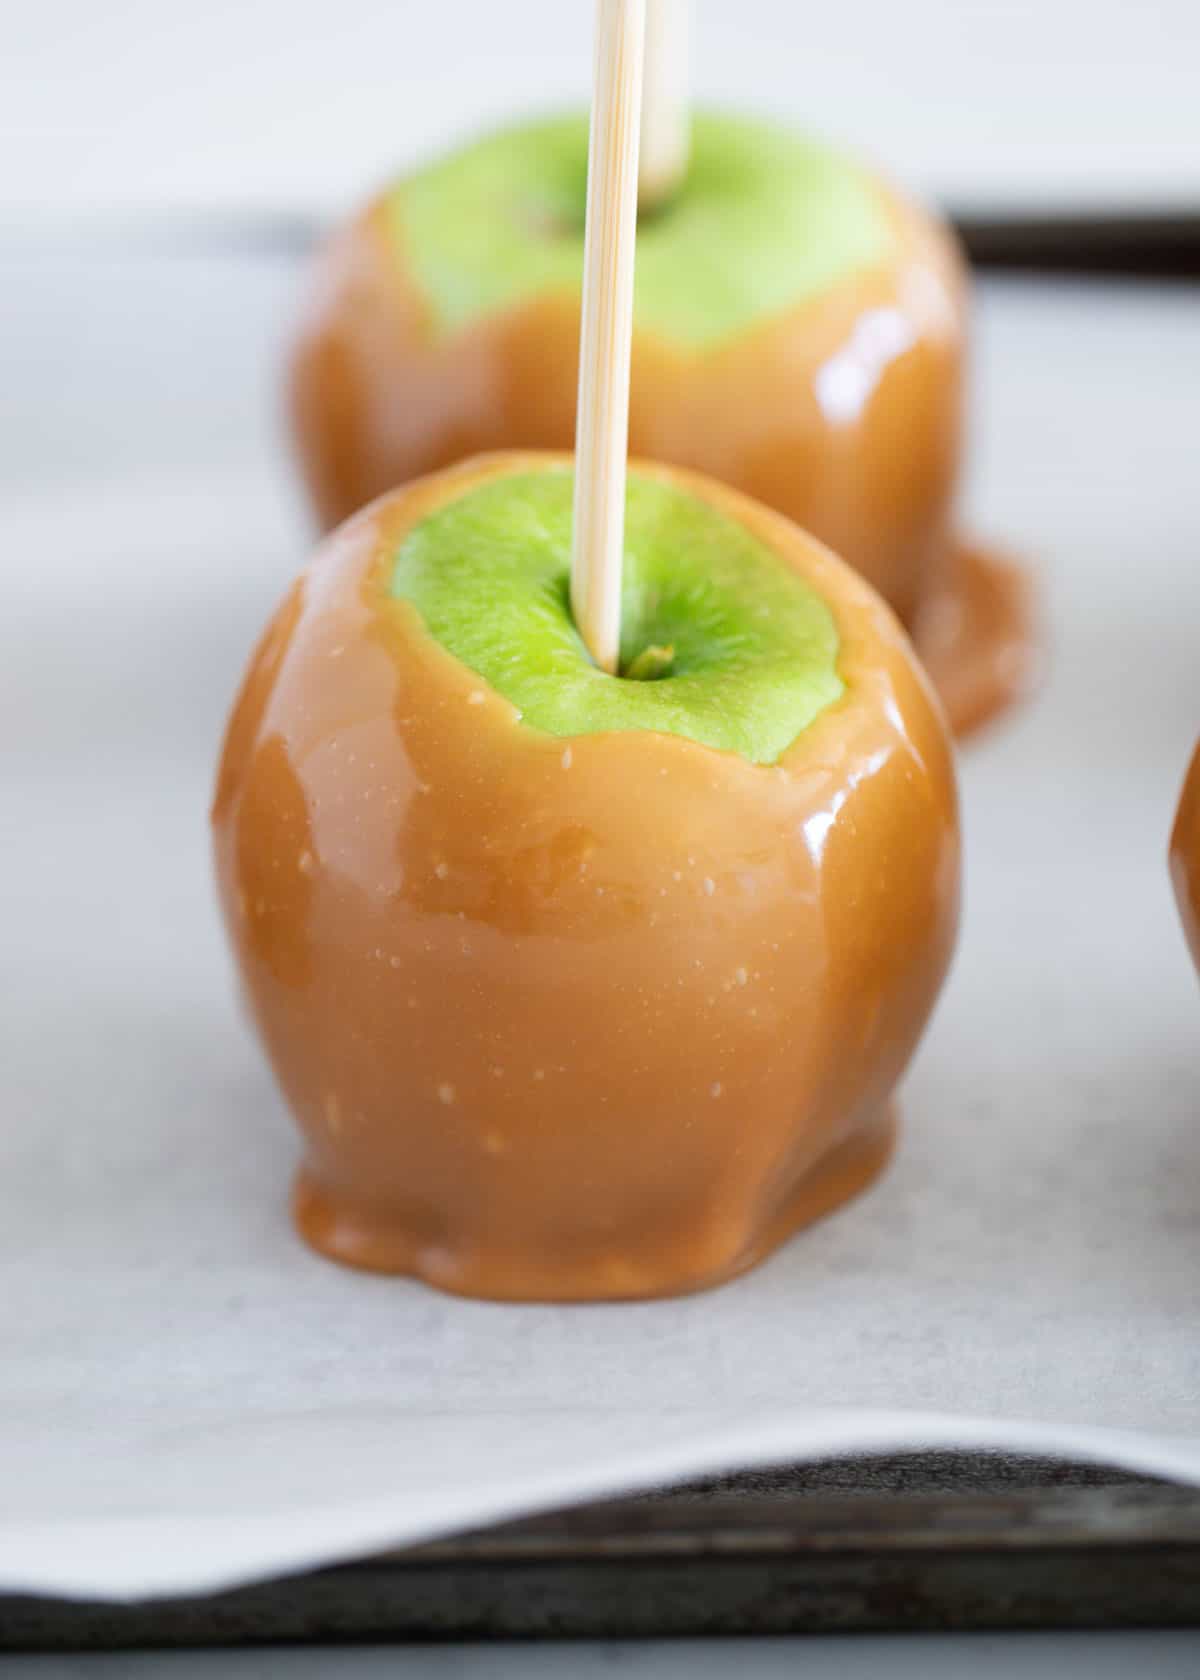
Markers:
(583, 986)
(799, 334)
(1185, 856)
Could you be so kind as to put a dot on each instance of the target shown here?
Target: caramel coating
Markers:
(844, 413)
(574, 1019)
(1185, 856)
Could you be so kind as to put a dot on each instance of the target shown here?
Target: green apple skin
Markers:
(752, 648)
(764, 220)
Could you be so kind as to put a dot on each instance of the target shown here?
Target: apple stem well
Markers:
(650, 664)
(666, 141)
(606, 328)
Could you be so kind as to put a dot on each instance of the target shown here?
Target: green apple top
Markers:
(721, 642)
(764, 219)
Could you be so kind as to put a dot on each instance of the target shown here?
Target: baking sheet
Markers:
(189, 1399)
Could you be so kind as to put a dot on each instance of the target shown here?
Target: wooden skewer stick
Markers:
(666, 108)
(606, 337)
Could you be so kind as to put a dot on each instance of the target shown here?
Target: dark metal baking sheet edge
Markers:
(915, 1542)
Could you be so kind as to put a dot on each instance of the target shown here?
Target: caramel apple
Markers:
(799, 334)
(583, 986)
(1185, 856)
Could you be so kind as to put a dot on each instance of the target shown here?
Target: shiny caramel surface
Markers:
(978, 636)
(1185, 856)
(574, 1018)
(844, 413)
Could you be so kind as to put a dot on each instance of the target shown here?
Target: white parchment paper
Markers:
(188, 1398)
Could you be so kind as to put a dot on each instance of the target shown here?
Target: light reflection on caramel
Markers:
(584, 1020)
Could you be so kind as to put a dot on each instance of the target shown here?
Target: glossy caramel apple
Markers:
(842, 409)
(1185, 856)
(575, 1018)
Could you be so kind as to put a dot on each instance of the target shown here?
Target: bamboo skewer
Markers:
(606, 336)
(666, 108)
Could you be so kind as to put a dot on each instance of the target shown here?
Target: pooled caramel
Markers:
(574, 1018)
(1185, 856)
(845, 413)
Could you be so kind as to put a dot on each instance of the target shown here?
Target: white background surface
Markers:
(299, 104)
(171, 1354)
